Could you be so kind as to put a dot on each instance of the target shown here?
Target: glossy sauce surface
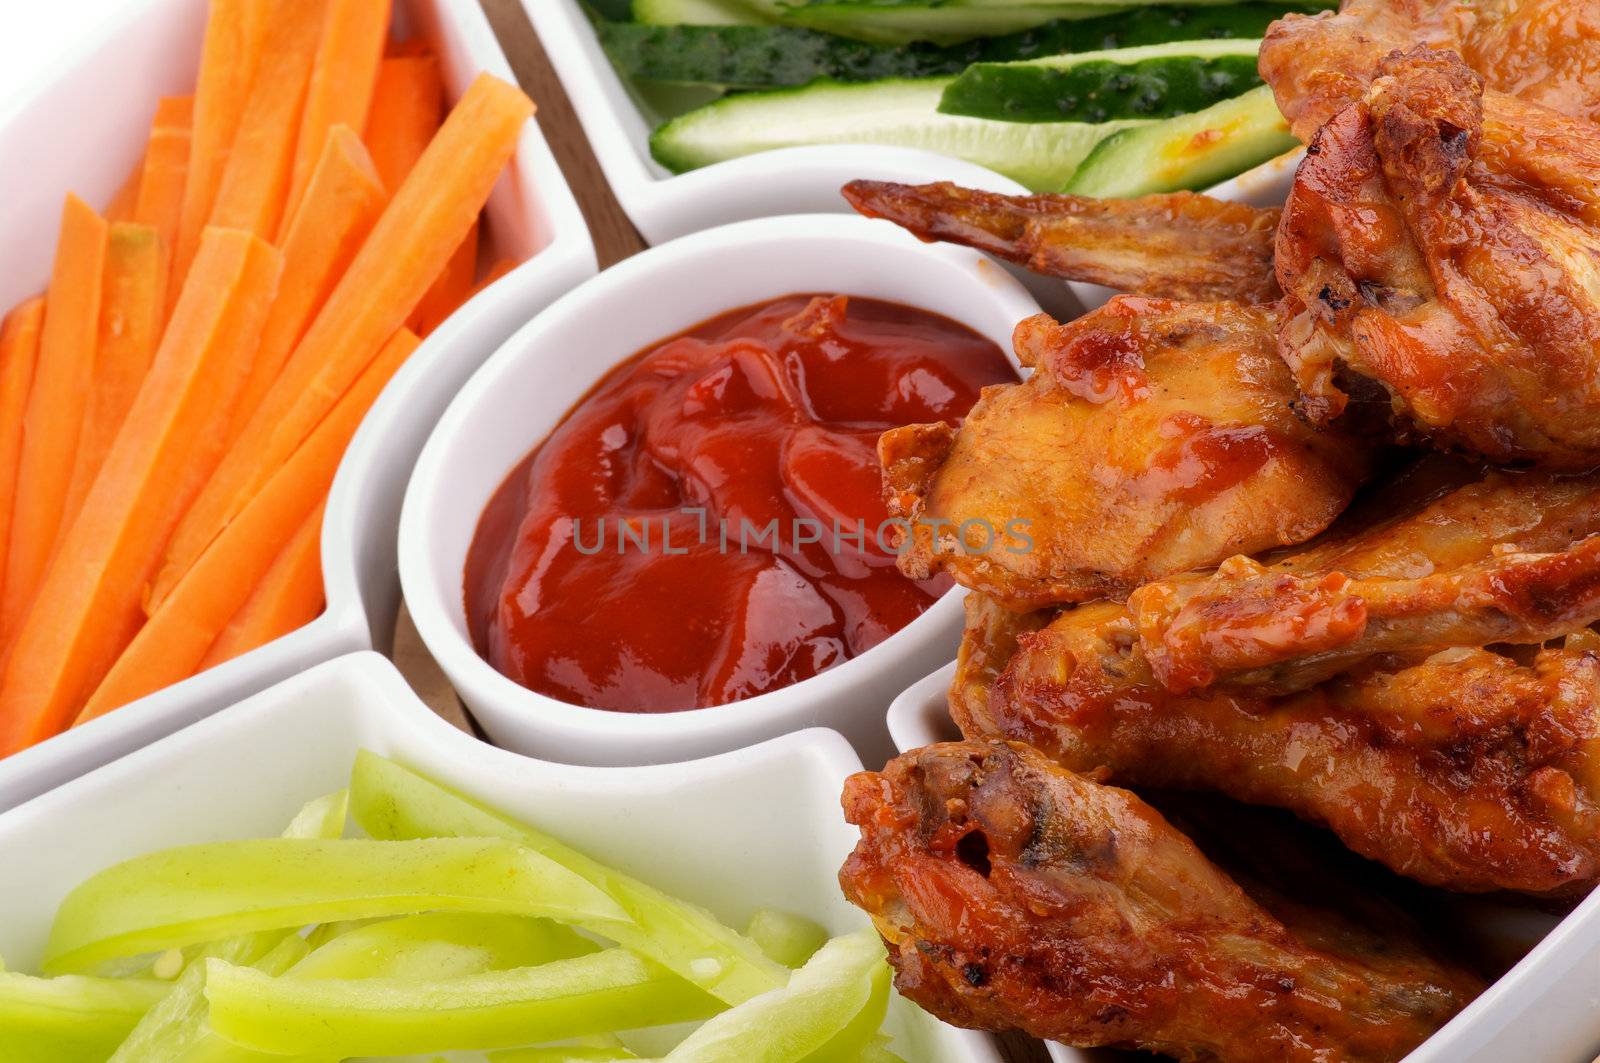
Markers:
(631, 562)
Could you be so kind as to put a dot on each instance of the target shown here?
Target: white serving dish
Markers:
(760, 827)
(83, 129)
(1545, 1009)
(527, 386)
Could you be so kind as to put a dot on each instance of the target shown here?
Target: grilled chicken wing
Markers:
(1467, 770)
(1153, 437)
(1510, 558)
(1545, 52)
(1013, 893)
(1447, 245)
(1177, 246)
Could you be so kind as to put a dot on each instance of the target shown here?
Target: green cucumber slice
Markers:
(1191, 151)
(1155, 81)
(902, 113)
(940, 21)
(748, 56)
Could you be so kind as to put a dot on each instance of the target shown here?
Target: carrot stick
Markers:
(54, 419)
(132, 302)
(341, 204)
(411, 47)
(423, 223)
(452, 288)
(19, 352)
(406, 104)
(255, 180)
(343, 77)
(122, 204)
(166, 166)
(172, 644)
(288, 598)
(88, 606)
(234, 34)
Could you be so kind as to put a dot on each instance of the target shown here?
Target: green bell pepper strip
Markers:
(784, 937)
(200, 893)
(600, 993)
(790, 1024)
(70, 1019)
(176, 1028)
(442, 945)
(861, 1033)
(390, 801)
(604, 1049)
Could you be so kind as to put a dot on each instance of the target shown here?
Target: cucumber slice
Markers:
(699, 13)
(1192, 151)
(775, 56)
(903, 113)
(1156, 81)
(940, 21)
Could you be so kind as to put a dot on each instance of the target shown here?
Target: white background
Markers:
(36, 34)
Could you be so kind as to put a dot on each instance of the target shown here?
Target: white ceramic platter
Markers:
(1546, 1009)
(760, 827)
(527, 387)
(82, 128)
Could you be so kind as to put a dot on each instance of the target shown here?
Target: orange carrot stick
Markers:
(452, 288)
(132, 302)
(343, 77)
(179, 633)
(54, 419)
(123, 204)
(423, 223)
(255, 180)
(166, 166)
(411, 47)
(19, 352)
(88, 606)
(341, 204)
(406, 104)
(288, 598)
(234, 34)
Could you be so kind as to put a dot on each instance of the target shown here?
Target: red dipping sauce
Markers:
(672, 544)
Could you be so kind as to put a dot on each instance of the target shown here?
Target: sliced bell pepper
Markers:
(785, 937)
(600, 993)
(390, 801)
(70, 1019)
(442, 945)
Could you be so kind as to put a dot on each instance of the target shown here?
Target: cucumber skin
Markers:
(1129, 163)
(1099, 91)
(1039, 156)
(779, 56)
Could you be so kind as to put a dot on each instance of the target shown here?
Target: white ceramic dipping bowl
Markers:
(752, 829)
(527, 387)
(1546, 1008)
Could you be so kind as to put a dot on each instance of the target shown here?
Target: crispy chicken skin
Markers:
(1444, 244)
(1153, 437)
(1510, 558)
(1545, 52)
(1467, 770)
(1014, 893)
(1176, 246)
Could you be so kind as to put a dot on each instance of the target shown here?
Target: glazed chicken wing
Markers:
(1509, 558)
(1468, 770)
(1446, 244)
(1014, 893)
(1546, 52)
(1177, 246)
(1153, 437)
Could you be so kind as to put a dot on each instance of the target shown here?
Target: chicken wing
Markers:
(1177, 246)
(1510, 558)
(1468, 770)
(1153, 437)
(1445, 245)
(1545, 52)
(1013, 893)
